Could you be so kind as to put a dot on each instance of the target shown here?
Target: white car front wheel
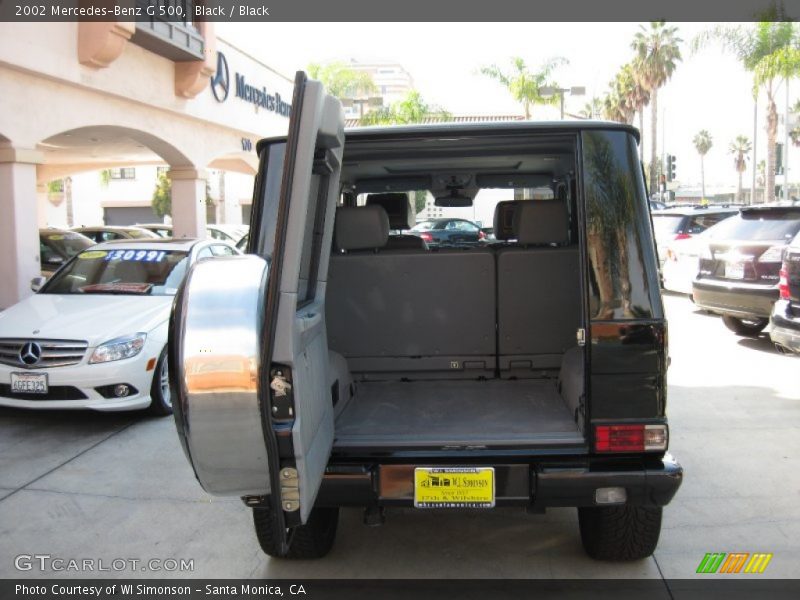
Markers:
(160, 397)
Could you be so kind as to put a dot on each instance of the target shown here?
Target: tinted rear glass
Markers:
(65, 245)
(759, 227)
(665, 225)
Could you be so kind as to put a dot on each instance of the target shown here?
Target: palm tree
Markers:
(702, 143)
(740, 148)
(618, 104)
(767, 49)
(411, 109)
(639, 98)
(592, 109)
(524, 84)
(342, 81)
(657, 52)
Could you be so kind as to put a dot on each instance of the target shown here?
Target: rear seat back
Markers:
(538, 287)
(409, 313)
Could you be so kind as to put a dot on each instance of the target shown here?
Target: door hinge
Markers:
(290, 489)
(581, 336)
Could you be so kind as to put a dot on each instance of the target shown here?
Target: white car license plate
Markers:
(734, 270)
(29, 383)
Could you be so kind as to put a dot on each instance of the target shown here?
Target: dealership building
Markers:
(103, 104)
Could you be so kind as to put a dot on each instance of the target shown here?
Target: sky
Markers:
(709, 90)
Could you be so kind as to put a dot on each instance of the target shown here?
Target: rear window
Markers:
(665, 225)
(65, 245)
(423, 226)
(699, 223)
(760, 227)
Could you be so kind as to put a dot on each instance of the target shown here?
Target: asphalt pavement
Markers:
(116, 487)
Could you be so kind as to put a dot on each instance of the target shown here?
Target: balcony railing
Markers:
(165, 27)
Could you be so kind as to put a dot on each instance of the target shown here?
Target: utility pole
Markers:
(663, 140)
(755, 139)
(786, 146)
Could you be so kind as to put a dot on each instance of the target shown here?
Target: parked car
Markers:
(107, 233)
(57, 246)
(160, 229)
(682, 261)
(674, 224)
(448, 232)
(785, 318)
(739, 271)
(227, 233)
(94, 335)
(434, 379)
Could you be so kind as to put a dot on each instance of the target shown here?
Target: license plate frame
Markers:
(41, 378)
(449, 487)
(734, 270)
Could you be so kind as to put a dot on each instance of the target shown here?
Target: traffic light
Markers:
(670, 167)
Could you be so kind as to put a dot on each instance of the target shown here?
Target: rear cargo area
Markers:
(492, 412)
(458, 344)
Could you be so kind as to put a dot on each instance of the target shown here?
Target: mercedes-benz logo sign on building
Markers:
(221, 81)
(30, 354)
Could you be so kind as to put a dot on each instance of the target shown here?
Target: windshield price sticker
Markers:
(137, 255)
(92, 254)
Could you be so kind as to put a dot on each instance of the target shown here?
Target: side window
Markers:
(221, 250)
(451, 225)
(204, 253)
(46, 254)
(312, 240)
(623, 281)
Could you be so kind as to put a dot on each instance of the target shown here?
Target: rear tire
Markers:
(312, 540)
(160, 395)
(620, 532)
(745, 327)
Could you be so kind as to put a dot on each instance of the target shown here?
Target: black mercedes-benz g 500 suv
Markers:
(341, 365)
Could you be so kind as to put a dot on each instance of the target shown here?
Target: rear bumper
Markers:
(538, 486)
(784, 328)
(747, 301)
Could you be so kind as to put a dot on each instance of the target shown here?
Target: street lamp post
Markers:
(548, 90)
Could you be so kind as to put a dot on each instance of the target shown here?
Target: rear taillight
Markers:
(426, 236)
(481, 235)
(683, 236)
(783, 282)
(630, 438)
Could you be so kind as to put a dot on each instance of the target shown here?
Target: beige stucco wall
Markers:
(46, 91)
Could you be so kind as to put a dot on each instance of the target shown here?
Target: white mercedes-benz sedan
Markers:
(94, 336)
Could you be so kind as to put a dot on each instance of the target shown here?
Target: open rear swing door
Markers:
(266, 435)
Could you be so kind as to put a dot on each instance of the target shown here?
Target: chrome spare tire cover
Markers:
(215, 346)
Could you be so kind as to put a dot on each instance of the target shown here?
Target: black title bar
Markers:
(444, 11)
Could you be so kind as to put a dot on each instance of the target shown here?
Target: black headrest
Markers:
(541, 222)
(397, 205)
(361, 228)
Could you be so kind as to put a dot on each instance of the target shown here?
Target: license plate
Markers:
(734, 270)
(29, 383)
(454, 487)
